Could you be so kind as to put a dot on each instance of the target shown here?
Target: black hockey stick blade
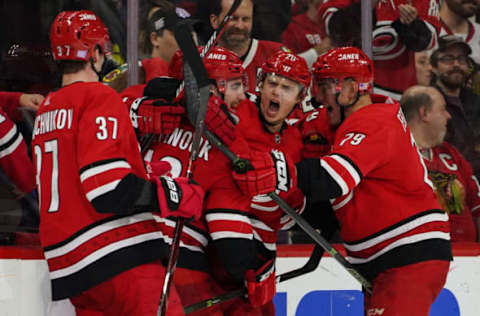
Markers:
(308, 267)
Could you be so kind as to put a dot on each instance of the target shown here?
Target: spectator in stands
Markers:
(399, 30)
(451, 68)
(455, 18)
(157, 43)
(237, 36)
(456, 187)
(304, 34)
(423, 68)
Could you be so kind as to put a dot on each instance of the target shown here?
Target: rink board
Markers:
(328, 291)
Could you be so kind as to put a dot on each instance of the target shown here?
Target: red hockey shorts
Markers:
(407, 290)
(195, 286)
(241, 307)
(131, 293)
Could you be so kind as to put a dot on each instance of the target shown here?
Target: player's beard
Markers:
(235, 38)
(451, 82)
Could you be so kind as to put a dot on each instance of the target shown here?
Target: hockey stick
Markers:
(147, 140)
(307, 228)
(197, 93)
(309, 266)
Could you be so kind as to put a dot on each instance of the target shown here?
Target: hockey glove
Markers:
(316, 134)
(156, 116)
(218, 120)
(179, 197)
(266, 173)
(261, 284)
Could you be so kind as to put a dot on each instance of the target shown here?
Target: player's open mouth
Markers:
(273, 108)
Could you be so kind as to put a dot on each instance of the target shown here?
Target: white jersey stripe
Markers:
(269, 246)
(264, 208)
(344, 202)
(398, 231)
(102, 252)
(186, 230)
(102, 190)
(251, 53)
(95, 231)
(353, 172)
(340, 181)
(103, 168)
(261, 225)
(227, 217)
(10, 149)
(230, 234)
(8, 136)
(401, 242)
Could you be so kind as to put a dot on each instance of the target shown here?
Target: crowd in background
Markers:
(426, 43)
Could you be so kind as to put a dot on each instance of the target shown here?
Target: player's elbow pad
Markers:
(416, 36)
(315, 182)
(237, 256)
(132, 194)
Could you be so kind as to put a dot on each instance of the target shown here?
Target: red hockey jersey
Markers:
(212, 170)
(9, 104)
(457, 188)
(394, 63)
(388, 212)
(302, 34)
(256, 55)
(265, 217)
(14, 159)
(84, 145)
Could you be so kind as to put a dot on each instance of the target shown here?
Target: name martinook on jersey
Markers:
(183, 139)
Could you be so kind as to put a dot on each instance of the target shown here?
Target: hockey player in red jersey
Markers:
(14, 159)
(224, 69)
(263, 133)
(455, 185)
(99, 236)
(237, 37)
(400, 28)
(393, 228)
(212, 170)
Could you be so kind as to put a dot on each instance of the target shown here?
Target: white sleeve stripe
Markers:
(186, 230)
(261, 225)
(403, 229)
(229, 234)
(341, 204)
(339, 180)
(8, 136)
(270, 246)
(347, 165)
(474, 208)
(264, 208)
(261, 198)
(10, 149)
(103, 168)
(327, 16)
(227, 217)
(102, 190)
(401, 242)
(251, 53)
